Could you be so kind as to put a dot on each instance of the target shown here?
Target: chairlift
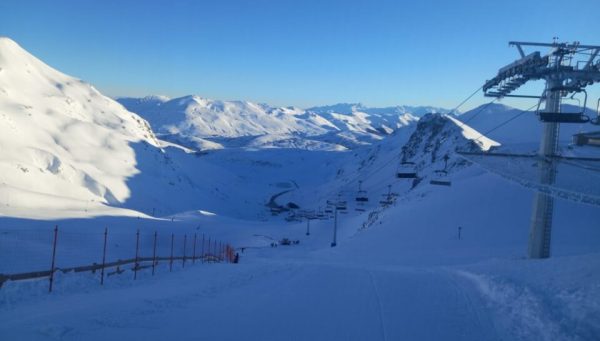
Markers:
(441, 178)
(406, 170)
(596, 120)
(386, 202)
(566, 117)
(361, 198)
(441, 175)
(389, 198)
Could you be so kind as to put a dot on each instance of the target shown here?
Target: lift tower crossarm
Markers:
(574, 45)
(560, 69)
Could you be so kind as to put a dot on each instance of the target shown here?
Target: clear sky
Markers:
(293, 52)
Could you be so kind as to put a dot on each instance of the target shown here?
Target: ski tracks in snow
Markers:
(379, 306)
(517, 311)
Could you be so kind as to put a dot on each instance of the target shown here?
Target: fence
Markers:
(31, 254)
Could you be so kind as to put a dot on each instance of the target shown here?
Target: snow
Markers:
(471, 134)
(185, 120)
(74, 158)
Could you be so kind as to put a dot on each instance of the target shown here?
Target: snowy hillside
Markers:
(525, 130)
(398, 269)
(197, 121)
(69, 151)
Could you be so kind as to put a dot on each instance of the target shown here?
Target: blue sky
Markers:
(285, 52)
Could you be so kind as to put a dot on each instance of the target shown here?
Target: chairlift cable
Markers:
(506, 122)
(465, 100)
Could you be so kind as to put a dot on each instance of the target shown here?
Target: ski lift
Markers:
(596, 120)
(441, 175)
(388, 199)
(441, 178)
(407, 170)
(361, 196)
(563, 117)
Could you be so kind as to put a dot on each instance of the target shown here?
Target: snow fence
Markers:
(36, 254)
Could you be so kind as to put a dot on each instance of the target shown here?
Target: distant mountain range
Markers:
(209, 124)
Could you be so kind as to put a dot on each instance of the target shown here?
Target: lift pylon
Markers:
(567, 69)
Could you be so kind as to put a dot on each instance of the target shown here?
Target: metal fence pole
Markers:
(104, 256)
(171, 259)
(194, 250)
(137, 251)
(52, 267)
(154, 253)
(184, 244)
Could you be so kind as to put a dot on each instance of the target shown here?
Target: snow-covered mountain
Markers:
(65, 149)
(525, 130)
(196, 122)
(350, 108)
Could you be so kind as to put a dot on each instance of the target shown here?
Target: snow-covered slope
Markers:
(402, 262)
(524, 130)
(67, 150)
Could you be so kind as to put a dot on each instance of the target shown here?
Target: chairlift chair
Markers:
(441, 178)
(596, 120)
(406, 170)
(564, 117)
(361, 196)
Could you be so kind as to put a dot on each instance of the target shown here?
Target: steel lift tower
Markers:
(568, 69)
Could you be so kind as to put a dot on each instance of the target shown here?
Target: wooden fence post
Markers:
(137, 251)
(52, 268)
(154, 253)
(104, 256)
(202, 252)
(208, 254)
(194, 250)
(171, 259)
(184, 244)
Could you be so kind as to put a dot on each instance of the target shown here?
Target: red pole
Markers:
(184, 242)
(209, 244)
(171, 260)
(104, 256)
(137, 250)
(53, 258)
(203, 248)
(154, 254)
(194, 250)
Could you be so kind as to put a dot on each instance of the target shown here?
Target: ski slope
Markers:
(399, 271)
